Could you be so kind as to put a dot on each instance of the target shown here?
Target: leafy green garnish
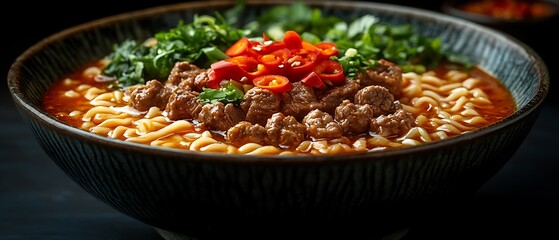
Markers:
(201, 42)
(227, 94)
(205, 40)
(372, 39)
(297, 16)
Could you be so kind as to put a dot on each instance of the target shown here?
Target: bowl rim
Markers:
(180, 154)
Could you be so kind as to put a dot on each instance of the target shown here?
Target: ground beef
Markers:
(218, 116)
(299, 101)
(379, 98)
(353, 118)
(285, 130)
(333, 97)
(392, 124)
(245, 132)
(260, 104)
(187, 74)
(183, 104)
(386, 74)
(321, 125)
(153, 94)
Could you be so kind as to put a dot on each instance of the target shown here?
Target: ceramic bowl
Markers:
(202, 195)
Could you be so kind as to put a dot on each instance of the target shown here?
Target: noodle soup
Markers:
(443, 103)
(279, 96)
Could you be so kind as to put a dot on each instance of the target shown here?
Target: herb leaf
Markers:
(227, 94)
(201, 42)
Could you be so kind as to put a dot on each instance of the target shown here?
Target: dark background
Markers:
(37, 201)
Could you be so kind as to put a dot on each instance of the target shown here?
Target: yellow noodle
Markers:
(75, 114)
(410, 142)
(439, 135)
(459, 104)
(72, 94)
(422, 101)
(449, 128)
(101, 117)
(100, 130)
(470, 83)
(93, 92)
(456, 93)
(83, 88)
(456, 76)
(116, 122)
(264, 150)
(216, 147)
(91, 72)
(178, 126)
(431, 80)
(97, 110)
(428, 87)
(118, 132)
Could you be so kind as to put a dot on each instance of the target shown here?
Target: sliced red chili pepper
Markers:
(310, 47)
(238, 48)
(331, 71)
(213, 81)
(292, 40)
(245, 62)
(274, 83)
(268, 47)
(328, 49)
(276, 59)
(258, 71)
(301, 63)
(227, 70)
(313, 80)
(271, 60)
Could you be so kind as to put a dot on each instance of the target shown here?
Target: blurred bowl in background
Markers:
(523, 19)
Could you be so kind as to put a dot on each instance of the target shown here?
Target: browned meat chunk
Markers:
(387, 74)
(246, 132)
(153, 94)
(334, 96)
(285, 131)
(322, 125)
(354, 119)
(392, 124)
(218, 116)
(299, 101)
(259, 105)
(379, 98)
(183, 104)
(187, 74)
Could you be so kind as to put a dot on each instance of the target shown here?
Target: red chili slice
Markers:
(269, 47)
(274, 83)
(331, 71)
(328, 49)
(301, 63)
(258, 71)
(313, 80)
(227, 70)
(238, 48)
(292, 40)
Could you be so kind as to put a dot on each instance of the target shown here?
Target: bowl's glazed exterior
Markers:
(201, 194)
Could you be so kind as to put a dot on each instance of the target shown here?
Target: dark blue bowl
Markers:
(185, 193)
